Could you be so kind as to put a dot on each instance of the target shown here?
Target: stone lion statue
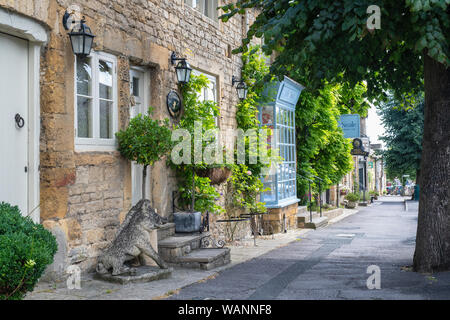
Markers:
(132, 241)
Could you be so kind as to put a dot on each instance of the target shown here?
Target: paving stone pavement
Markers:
(331, 263)
(92, 289)
(328, 263)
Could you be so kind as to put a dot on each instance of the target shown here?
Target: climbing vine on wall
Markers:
(246, 181)
(196, 111)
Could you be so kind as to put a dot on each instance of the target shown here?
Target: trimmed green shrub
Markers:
(145, 141)
(26, 248)
(353, 197)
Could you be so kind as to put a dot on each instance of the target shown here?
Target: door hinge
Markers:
(26, 169)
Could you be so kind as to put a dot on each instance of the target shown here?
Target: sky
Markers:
(374, 126)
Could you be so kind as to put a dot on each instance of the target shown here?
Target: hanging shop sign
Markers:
(173, 104)
(358, 149)
(350, 124)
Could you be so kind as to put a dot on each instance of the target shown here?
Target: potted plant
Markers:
(145, 141)
(217, 174)
(197, 195)
(352, 199)
(343, 191)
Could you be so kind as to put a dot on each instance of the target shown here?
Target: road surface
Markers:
(333, 262)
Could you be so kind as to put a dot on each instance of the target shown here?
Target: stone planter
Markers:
(187, 221)
(351, 205)
(216, 175)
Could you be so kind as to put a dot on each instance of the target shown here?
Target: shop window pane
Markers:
(267, 115)
(269, 196)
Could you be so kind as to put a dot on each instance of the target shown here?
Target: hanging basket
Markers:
(216, 175)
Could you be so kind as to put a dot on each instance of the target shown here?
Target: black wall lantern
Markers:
(183, 69)
(241, 88)
(81, 37)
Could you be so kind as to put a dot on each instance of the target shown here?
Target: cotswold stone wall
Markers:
(85, 195)
(279, 217)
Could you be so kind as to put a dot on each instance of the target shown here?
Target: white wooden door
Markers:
(14, 133)
(139, 88)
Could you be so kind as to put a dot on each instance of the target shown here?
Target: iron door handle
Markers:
(19, 120)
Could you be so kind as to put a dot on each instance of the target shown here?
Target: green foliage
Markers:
(254, 73)
(246, 187)
(145, 140)
(322, 149)
(353, 197)
(205, 194)
(196, 110)
(329, 40)
(205, 112)
(26, 248)
(352, 100)
(403, 138)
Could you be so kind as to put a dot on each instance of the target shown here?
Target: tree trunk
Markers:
(433, 229)
(337, 195)
(144, 178)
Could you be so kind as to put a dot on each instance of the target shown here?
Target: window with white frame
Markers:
(207, 7)
(95, 100)
(209, 92)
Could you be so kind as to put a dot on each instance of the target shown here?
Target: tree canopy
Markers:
(403, 138)
(322, 149)
(329, 40)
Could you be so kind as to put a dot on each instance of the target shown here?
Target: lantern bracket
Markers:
(234, 80)
(65, 19)
(173, 58)
(68, 19)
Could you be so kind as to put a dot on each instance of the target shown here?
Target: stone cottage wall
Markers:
(85, 195)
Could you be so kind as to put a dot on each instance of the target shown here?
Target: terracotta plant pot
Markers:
(216, 175)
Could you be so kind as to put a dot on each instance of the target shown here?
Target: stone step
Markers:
(179, 245)
(304, 218)
(166, 230)
(316, 223)
(302, 210)
(330, 214)
(204, 259)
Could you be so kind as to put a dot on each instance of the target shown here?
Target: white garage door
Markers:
(14, 121)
